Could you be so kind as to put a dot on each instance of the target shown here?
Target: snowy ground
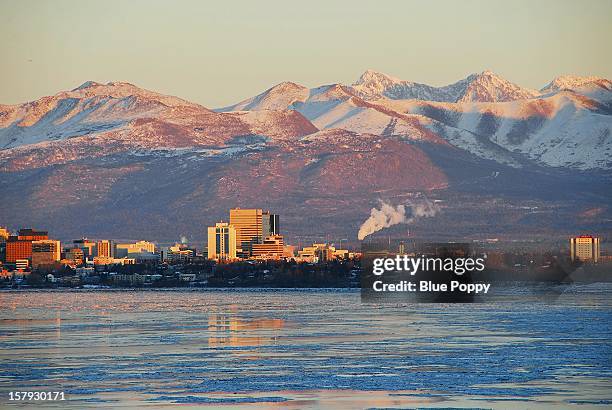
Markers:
(305, 349)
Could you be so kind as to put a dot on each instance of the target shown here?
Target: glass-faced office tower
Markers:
(252, 226)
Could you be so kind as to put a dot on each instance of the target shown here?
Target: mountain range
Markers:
(115, 160)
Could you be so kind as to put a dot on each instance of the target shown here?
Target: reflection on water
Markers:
(231, 330)
(301, 349)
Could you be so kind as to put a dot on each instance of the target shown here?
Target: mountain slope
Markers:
(568, 124)
(96, 119)
(279, 97)
(482, 87)
(576, 83)
(337, 106)
(116, 160)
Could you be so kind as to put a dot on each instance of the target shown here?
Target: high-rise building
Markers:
(20, 246)
(86, 246)
(249, 228)
(17, 249)
(270, 224)
(222, 241)
(252, 226)
(105, 248)
(585, 248)
(179, 252)
(271, 248)
(45, 252)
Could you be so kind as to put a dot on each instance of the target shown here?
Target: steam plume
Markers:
(388, 215)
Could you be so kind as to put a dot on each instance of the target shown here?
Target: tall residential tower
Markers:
(222, 241)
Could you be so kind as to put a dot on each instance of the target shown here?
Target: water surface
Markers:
(306, 349)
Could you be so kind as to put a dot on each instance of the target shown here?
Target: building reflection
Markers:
(231, 330)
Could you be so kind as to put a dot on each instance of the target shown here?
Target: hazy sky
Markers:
(217, 53)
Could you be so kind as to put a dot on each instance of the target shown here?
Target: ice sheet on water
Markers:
(185, 345)
(224, 400)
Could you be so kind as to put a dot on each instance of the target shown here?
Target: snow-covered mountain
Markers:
(487, 87)
(279, 97)
(566, 124)
(373, 85)
(337, 106)
(482, 87)
(116, 157)
(575, 83)
(123, 116)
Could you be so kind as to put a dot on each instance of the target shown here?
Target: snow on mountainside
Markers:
(95, 119)
(567, 125)
(487, 87)
(115, 158)
(482, 87)
(338, 106)
(89, 109)
(276, 98)
(278, 124)
(561, 130)
(373, 85)
(569, 82)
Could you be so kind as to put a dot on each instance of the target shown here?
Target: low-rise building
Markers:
(75, 256)
(124, 249)
(45, 252)
(105, 260)
(272, 248)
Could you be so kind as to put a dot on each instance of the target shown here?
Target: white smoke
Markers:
(388, 215)
(183, 239)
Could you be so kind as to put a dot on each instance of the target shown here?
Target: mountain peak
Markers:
(119, 89)
(86, 84)
(120, 84)
(374, 84)
(489, 73)
(486, 75)
(487, 86)
(372, 76)
(286, 86)
(570, 82)
(279, 97)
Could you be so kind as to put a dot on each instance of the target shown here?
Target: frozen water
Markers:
(300, 349)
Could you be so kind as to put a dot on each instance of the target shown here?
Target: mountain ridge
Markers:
(114, 157)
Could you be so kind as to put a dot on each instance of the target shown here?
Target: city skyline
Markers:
(33, 256)
(252, 234)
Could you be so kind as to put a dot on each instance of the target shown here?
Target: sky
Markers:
(219, 52)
